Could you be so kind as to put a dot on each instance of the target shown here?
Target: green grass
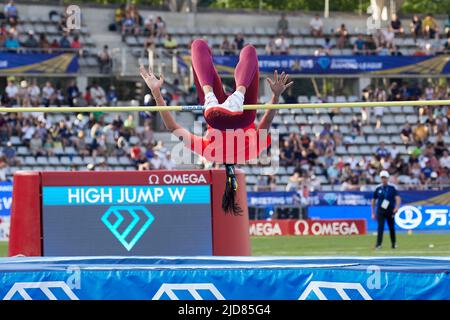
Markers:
(3, 249)
(408, 245)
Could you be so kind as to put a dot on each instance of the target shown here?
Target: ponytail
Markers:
(229, 204)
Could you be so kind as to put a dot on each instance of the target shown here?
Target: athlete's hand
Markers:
(151, 80)
(279, 83)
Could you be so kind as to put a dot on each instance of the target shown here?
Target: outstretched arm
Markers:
(278, 85)
(154, 85)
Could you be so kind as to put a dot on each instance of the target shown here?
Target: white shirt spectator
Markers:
(28, 132)
(316, 23)
(98, 95)
(388, 36)
(394, 152)
(156, 162)
(12, 91)
(169, 164)
(47, 92)
(282, 45)
(445, 161)
(34, 92)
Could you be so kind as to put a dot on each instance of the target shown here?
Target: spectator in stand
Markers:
(128, 26)
(104, 60)
(149, 26)
(239, 41)
(160, 26)
(342, 36)
(119, 16)
(72, 92)
(11, 93)
(444, 161)
(36, 145)
(76, 45)
(283, 25)
(446, 46)
(426, 172)
(388, 37)
(287, 154)
(416, 26)
(430, 27)
(227, 48)
(359, 47)
(34, 93)
(22, 96)
(98, 94)
(316, 26)
(11, 43)
(382, 152)
(31, 41)
(10, 153)
(327, 46)
(44, 43)
(447, 27)
(64, 42)
(3, 167)
(396, 24)
(111, 96)
(371, 47)
(3, 33)
(48, 94)
(11, 12)
(54, 45)
(270, 46)
(170, 44)
(282, 45)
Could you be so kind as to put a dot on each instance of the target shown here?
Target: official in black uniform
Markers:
(387, 202)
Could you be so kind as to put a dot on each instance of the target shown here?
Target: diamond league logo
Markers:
(127, 223)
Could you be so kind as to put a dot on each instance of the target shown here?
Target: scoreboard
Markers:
(153, 213)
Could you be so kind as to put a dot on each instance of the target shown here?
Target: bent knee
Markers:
(199, 44)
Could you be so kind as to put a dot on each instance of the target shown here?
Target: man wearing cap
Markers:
(387, 202)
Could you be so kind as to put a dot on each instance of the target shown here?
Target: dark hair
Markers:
(229, 204)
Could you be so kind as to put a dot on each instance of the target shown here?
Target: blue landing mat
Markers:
(229, 278)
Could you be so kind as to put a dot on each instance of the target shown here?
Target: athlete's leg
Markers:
(247, 80)
(205, 74)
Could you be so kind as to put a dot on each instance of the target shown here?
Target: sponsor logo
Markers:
(184, 178)
(326, 228)
(114, 217)
(330, 198)
(341, 288)
(48, 288)
(408, 217)
(265, 229)
(191, 288)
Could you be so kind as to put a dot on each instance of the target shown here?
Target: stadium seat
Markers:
(54, 161)
(22, 150)
(29, 161)
(65, 161)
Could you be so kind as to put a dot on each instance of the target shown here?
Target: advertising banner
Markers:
(5, 208)
(336, 227)
(344, 65)
(12, 63)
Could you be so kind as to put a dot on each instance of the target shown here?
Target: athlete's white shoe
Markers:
(210, 100)
(234, 105)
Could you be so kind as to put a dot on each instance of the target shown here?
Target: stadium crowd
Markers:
(426, 166)
(425, 31)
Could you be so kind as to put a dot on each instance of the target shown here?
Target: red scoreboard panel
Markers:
(138, 213)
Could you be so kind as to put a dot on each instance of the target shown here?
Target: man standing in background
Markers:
(387, 202)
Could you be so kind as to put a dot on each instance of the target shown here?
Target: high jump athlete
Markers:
(224, 112)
